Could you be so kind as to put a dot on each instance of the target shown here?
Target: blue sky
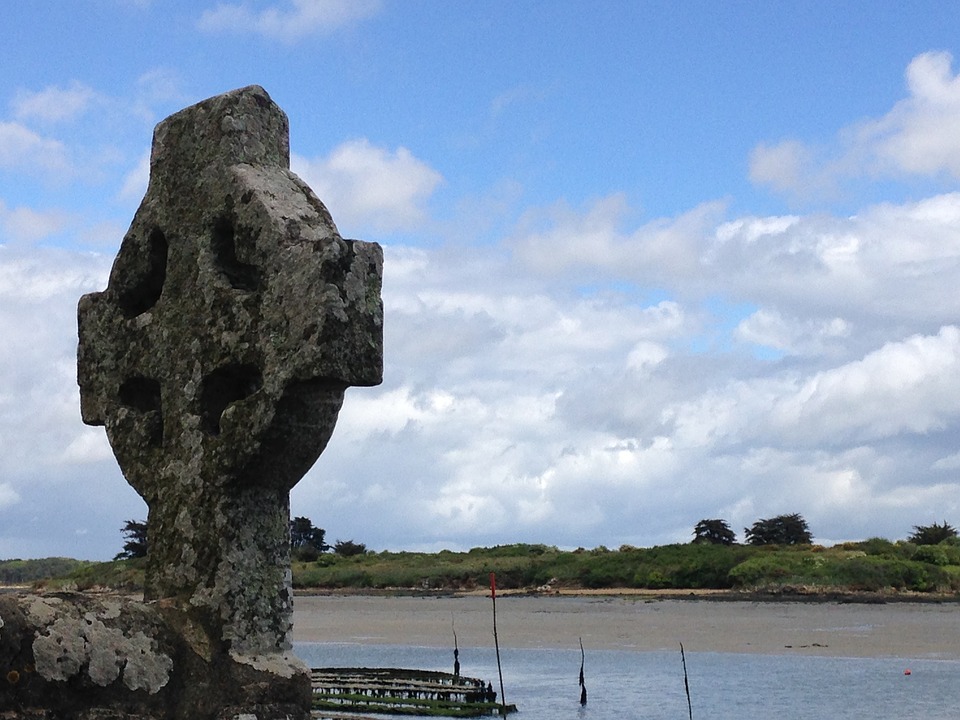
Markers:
(646, 263)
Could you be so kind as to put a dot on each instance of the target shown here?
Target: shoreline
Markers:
(777, 595)
(636, 621)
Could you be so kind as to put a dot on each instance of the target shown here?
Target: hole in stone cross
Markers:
(241, 275)
(141, 280)
(143, 395)
(223, 387)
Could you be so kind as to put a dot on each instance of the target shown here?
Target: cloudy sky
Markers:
(646, 262)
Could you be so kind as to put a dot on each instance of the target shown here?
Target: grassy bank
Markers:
(873, 566)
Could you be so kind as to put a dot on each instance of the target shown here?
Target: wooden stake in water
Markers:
(686, 683)
(583, 686)
(456, 651)
(496, 642)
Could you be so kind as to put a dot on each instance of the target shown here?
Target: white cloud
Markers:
(54, 104)
(290, 21)
(135, 182)
(88, 445)
(40, 275)
(159, 85)
(910, 387)
(817, 276)
(365, 186)
(948, 462)
(906, 387)
(917, 137)
(889, 265)
(790, 335)
(752, 229)
(559, 240)
(23, 224)
(785, 166)
(39, 290)
(49, 460)
(557, 409)
(23, 150)
(8, 496)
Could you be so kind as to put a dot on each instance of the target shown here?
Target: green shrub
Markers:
(878, 546)
(905, 550)
(15, 572)
(873, 565)
(933, 554)
(125, 575)
(873, 574)
(770, 568)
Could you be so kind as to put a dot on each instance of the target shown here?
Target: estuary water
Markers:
(622, 684)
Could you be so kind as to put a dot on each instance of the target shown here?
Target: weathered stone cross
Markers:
(217, 358)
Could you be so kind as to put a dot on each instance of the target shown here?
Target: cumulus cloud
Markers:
(910, 386)
(135, 182)
(905, 387)
(289, 21)
(24, 150)
(789, 335)
(497, 434)
(785, 167)
(917, 137)
(809, 278)
(46, 449)
(159, 85)
(23, 224)
(64, 133)
(887, 266)
(366, 186)
(559, 240)
(529, 409)
(949, 462)
(54, 104)
(8, 496)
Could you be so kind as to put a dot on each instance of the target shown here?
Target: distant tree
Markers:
(306, 541)
(932, 534)
(135, 545)
(714, 532)
(779, 530)
(346, 548)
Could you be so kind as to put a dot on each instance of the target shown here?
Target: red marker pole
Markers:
(496, 642)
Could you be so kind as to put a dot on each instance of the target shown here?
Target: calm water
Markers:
(649, 685)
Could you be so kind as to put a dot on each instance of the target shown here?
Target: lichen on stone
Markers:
(71, 642)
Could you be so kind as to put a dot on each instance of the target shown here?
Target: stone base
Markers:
(70, 656)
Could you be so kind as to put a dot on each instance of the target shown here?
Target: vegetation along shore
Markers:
(874, 569)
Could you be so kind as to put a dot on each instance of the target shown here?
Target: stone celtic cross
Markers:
(217, 358)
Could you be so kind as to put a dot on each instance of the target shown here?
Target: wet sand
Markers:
(907, 630)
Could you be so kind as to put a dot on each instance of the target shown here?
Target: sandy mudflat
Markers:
(908, 630)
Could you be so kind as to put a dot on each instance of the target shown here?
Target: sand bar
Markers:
(908, 630)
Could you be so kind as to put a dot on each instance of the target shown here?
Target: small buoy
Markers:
(907, 672)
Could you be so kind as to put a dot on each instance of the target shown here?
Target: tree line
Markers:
(307, 542)
(793, 530)
(928, 562)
